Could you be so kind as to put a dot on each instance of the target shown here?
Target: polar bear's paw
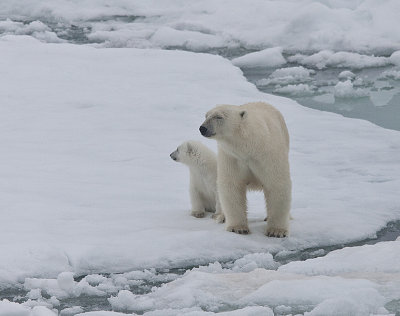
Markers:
(198, 214)
(219, 218)
(239, 229)
(277, 232)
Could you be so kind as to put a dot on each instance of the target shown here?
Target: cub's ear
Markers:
(189, 148)
(243, 114)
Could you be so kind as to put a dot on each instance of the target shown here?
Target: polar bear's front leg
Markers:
(198, 209)
(232, 194)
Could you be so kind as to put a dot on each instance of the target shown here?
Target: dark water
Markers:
(380, 106)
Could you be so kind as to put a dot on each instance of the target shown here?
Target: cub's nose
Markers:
(203, 130)
(172, 156)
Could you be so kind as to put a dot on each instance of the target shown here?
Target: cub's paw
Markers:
(277, 232)
(239, 229)
(198, 214)
(219, 218)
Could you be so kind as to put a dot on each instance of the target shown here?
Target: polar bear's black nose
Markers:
(203, 130)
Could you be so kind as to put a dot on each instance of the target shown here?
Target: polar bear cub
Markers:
(253, 153)
(202, 163)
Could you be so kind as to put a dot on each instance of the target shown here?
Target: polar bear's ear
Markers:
(243, 114)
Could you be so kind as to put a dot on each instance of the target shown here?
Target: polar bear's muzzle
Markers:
(173, 156)
(205, 131)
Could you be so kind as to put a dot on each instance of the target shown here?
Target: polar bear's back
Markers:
(270, 115)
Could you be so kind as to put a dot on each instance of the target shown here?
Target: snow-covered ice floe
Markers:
(88, 187)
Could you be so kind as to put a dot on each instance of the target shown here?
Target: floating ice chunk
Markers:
(215, 292)
(288, 75)
(247, 311)
(36, 29)
(167, 36)
(65, 286)
(327, 58)
(390, 74)
(295, 72)
(365, 259)
(247, 263)
(346, 74)
(283, 309)
(53, 301)
(42, 311)
(346, 90)
(34, 294)
(253, 261)
(8, 308)
(215, 267)
(395, 58)
(359, 82)
(302, 292)
(338, 306)
(298, 90)
(66, 282)
(148, 275)
(270, 57)
(95, 279)
(105, 313)
(127, 301)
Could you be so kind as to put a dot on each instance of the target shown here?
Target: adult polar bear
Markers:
(253, 153)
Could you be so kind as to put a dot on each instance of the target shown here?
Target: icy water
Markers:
(378, 100)
(375, 96)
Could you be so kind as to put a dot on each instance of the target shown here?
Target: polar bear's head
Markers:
(222, 121)
(184, 153)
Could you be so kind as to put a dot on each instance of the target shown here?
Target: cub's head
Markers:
(222, 121)
(183, 153)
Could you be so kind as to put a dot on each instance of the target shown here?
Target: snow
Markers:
(270, 57)
(305, 25)
(88, 188)
(85, 146)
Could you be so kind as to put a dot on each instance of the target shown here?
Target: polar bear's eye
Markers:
(219, 117)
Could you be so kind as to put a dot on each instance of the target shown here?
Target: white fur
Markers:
(202, 163)
(253, 149)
